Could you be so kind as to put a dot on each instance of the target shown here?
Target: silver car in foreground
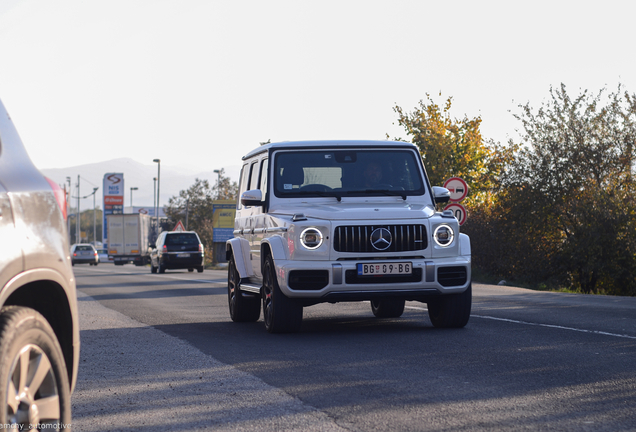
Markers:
(39, 330)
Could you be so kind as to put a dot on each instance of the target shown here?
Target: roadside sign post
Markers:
(458, 191)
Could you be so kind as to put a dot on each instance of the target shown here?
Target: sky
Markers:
(198, 84)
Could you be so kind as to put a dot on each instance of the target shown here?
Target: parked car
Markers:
(177, 250)
(84, 253)
(39, 330)
(332, 221)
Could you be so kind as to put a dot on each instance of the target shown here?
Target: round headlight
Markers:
(443, 235)
(311, 238)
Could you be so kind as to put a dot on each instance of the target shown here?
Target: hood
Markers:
(355, 210)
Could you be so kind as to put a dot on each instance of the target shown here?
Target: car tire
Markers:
(281, 314)
(190, 270)
(27, 341)
(200, 269)
(387, 308)
(451, 310)
(243, 307)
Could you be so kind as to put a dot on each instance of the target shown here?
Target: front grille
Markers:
(308, 280)
(351, 277)
(451, 276)
(358, 238)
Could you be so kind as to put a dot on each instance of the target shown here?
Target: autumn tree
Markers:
(454, 147)
(567, 208)
(194, 206)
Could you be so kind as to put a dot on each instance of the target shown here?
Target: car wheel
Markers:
(200, 270)
(387, 308)
(281, 314)
(160, 268)
(190, 270)
(243, 307)
(35, 387)
(451, 311)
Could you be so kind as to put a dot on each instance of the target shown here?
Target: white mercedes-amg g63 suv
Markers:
(332, 221)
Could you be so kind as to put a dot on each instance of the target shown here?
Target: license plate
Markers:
(183, 255)
(381, 269)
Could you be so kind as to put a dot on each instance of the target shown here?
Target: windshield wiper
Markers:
(322, 194)
(387, 192)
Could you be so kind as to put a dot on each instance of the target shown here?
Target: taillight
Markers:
(200, 248)
(165, 248)
(60, 195)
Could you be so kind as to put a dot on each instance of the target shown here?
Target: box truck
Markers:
(129, 238)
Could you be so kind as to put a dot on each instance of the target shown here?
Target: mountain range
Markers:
(173, 180)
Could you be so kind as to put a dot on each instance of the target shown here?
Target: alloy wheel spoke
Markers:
(49, 408)
(12, 397)
(42, 367)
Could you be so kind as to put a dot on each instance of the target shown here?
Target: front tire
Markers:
(35, 387)
(153, 269)
(388, 308)
(281, 314)
(243, 308)
(452, 310)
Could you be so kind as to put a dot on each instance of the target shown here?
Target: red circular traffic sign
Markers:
(457, 187)
(459, 211)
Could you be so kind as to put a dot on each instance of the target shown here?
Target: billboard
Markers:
(113, 188)
(224, 212)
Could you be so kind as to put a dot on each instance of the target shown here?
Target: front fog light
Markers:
(311, 238)
(443, 235)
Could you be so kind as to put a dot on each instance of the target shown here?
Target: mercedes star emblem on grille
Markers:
(381, 239)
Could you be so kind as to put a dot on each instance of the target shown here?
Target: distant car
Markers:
(177, 250)
(103, 256)
(84, 253)
(39, 326)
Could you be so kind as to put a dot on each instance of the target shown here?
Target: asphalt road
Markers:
(161, 351)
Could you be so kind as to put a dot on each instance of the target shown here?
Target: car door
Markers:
(258, 217)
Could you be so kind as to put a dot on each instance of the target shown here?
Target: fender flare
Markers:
(240, 250)
(276, 246)
(464, 245)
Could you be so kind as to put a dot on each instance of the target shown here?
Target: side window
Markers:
(249, 180)
(263, 176)
(253, 176)
(243, 185)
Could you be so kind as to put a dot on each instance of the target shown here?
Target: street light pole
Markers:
(158, 162)
(131, 201)
(154, 193)
(77, 215)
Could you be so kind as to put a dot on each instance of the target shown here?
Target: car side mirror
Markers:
(442, 195)
(252, 197)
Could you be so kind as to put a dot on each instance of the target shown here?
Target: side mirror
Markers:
(442, 195)
(252, 197)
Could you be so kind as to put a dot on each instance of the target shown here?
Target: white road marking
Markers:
(543, 325)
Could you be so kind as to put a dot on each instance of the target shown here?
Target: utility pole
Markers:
(77, 215)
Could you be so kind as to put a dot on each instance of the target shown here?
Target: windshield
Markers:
(341, 173)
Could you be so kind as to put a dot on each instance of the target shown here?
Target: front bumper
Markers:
(338, 280)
